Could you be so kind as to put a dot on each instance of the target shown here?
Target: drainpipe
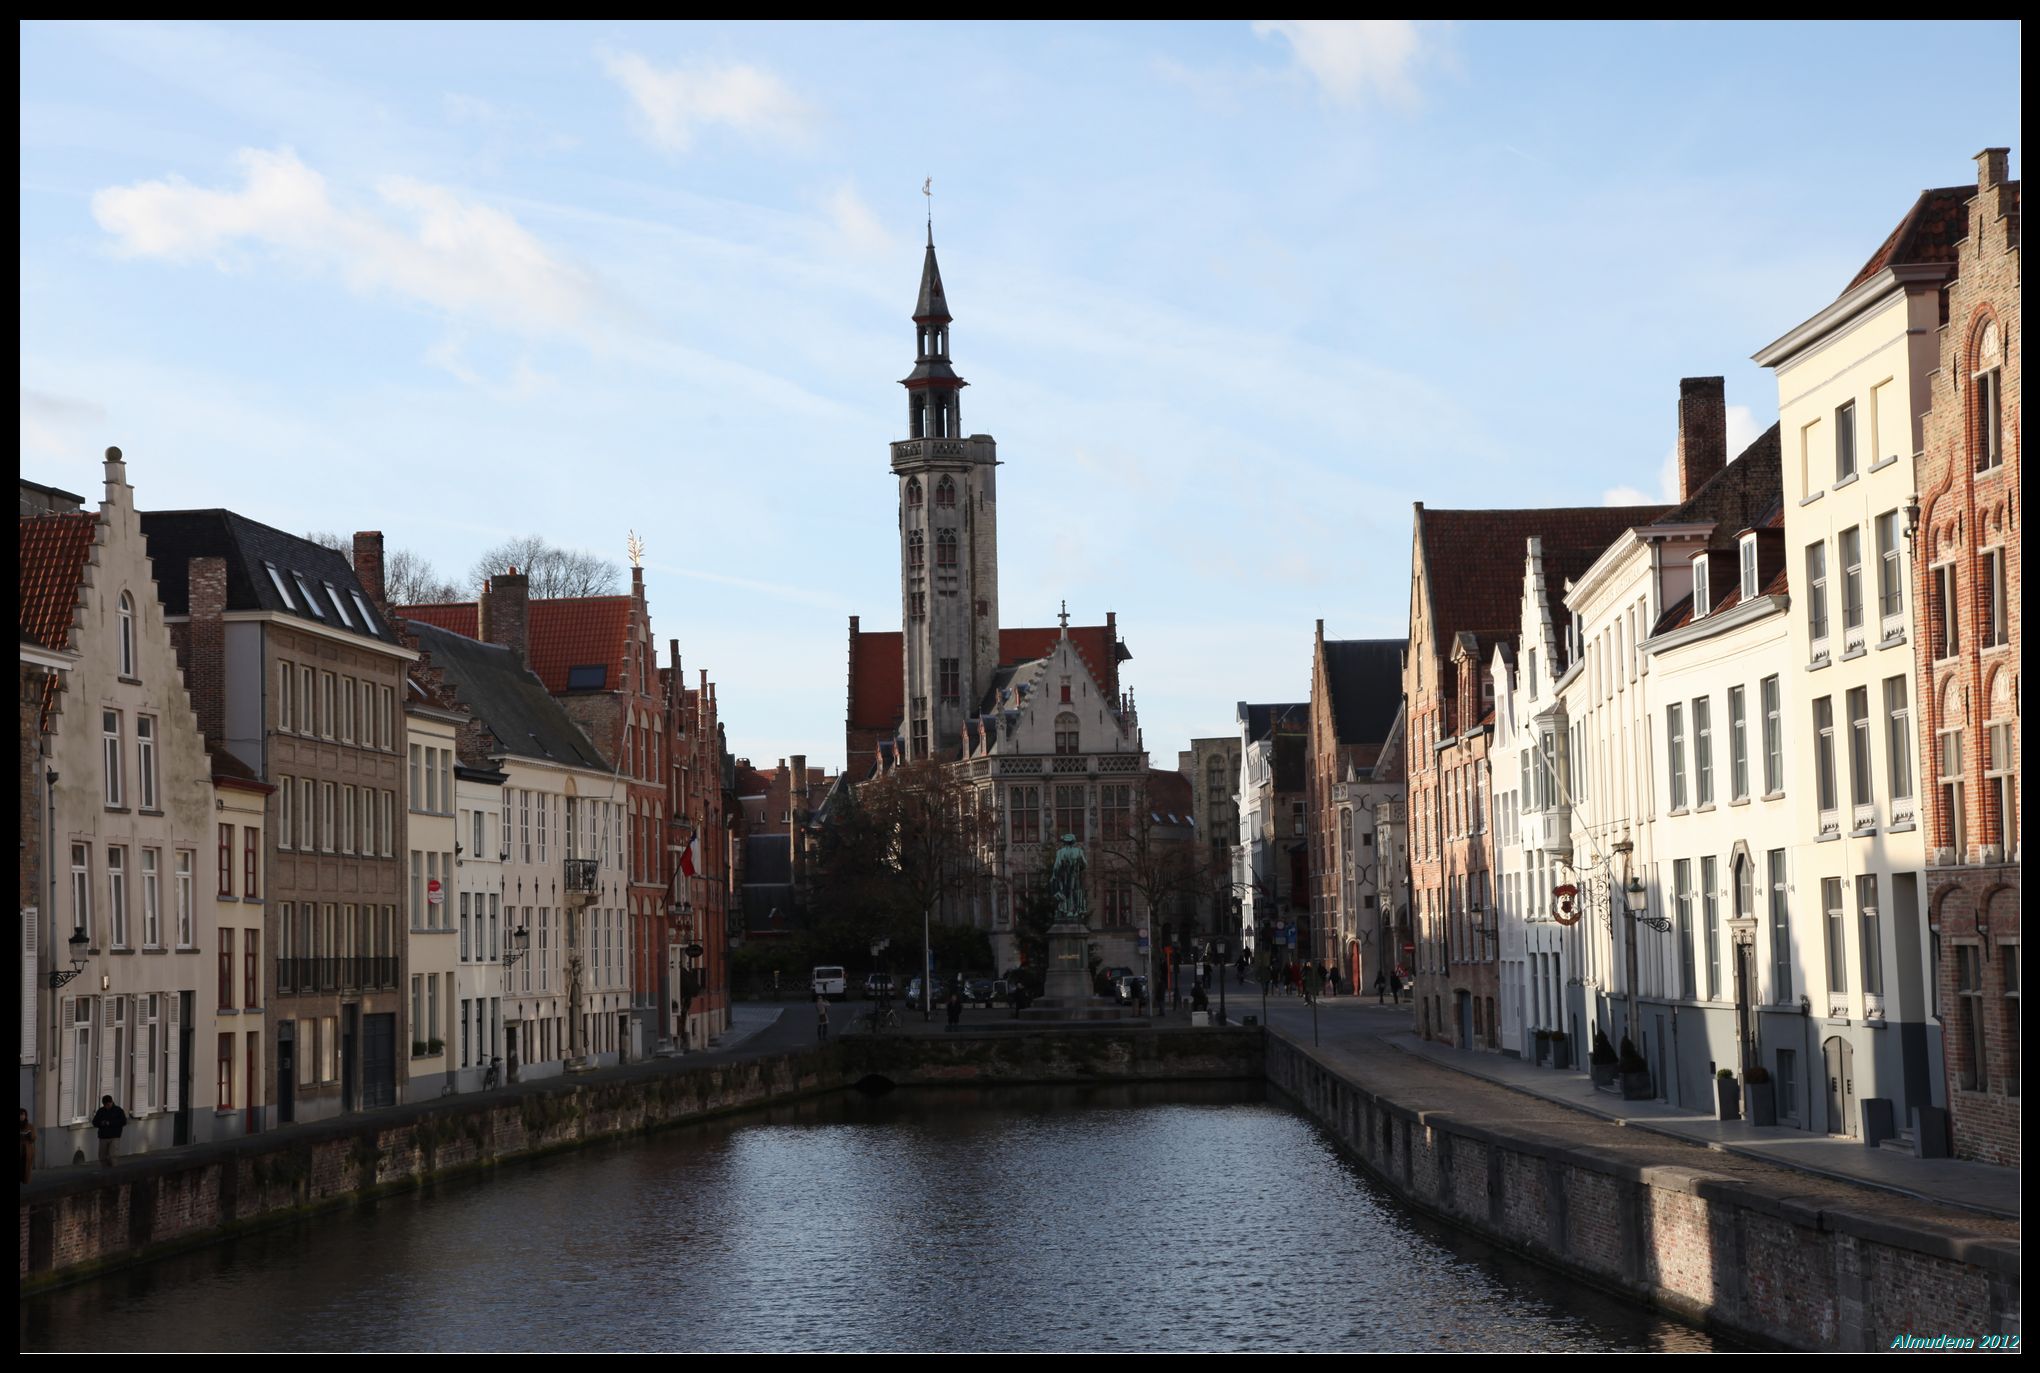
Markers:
(49, 942)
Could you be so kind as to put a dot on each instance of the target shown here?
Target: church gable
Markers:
(1055, 705)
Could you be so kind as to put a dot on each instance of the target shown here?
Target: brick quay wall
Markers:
(80, 1222)
(1749, 1249)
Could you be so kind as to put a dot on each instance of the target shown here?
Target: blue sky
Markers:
(1230, 296)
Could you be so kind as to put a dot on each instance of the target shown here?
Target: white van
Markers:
(832, 983)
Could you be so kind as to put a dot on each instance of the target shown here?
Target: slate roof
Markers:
(1739, 496)
(507, 698)
(1475, 559)
(1261, 719)
(1930, 232)
(53, 553)
(1365, 676)
(563, 633)
(931, 304)
(1170, 798)
(177, 536)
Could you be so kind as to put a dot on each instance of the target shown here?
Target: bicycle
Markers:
(882, 1017)
(490, 1075)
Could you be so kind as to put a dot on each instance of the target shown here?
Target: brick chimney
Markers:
(1703, 433)
(368, 566)
(796, 803)
(504, 613)
(205, 669)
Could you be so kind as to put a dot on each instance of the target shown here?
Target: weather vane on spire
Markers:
(928, 190)
(636, 548)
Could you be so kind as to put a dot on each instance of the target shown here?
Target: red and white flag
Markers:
(690, 858)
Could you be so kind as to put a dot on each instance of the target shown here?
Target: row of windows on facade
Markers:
(122, 905)
(335, 946)
(945, 494)
(1070, 807)
(325, 705)
(125, 1047)
(1890, 430)
(308, 599)
(917, 549)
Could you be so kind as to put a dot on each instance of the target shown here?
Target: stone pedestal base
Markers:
(1068, 979)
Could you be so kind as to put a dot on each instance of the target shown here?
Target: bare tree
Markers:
(1155, 858)
(408, 578)
(554, 571)
(932, 832)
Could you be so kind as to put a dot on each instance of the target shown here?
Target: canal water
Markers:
(1175, 1218)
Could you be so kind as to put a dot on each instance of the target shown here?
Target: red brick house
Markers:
(1967, 594)
(699, 836)
(1355, 694)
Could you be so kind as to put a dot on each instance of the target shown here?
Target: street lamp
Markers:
(59, 976)
(516, 946)
(1222, 952)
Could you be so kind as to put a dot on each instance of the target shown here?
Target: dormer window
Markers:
(311, 600)
(1748, 553)
(339, 605)
(1702, 598)
(281, 590)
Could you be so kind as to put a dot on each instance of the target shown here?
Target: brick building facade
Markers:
(1967, 598)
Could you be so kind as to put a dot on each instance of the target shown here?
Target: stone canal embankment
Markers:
(81, 1221)
(1728, 1242)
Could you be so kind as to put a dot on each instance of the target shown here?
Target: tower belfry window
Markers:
(917, 550)
(945, 548)
(913, 493)
(945, 494)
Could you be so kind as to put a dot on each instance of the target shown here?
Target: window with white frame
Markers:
(81, 890)
(111, 763)
(1738, 745)
(1675, 753)
(1845, 441)
(1867, 932)
(1710, 909)
(152, 899)
(1994, 631)
(187, 897)
(1702, 591)
(1860, 790)
(1682, 911)
(145, 759)
(1703, 751)
(1989, 437)
(1781, 928)
(1747, 553)
(1852, 577)
(1837, 935)
(116, 895)
(1774, 738)
(308, 699)
(1816, 592)
(1951, 788)
(1890, 580)
(1944, 609)
(1898, 747)
(2000, 781)
(1824, 753)
(126, 615)
(326, 817)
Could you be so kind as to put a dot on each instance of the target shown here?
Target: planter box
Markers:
(1543, 1051)
(1763, 1102)
(1728, 1098)
(1603, 1073)
(1560, 1058)
(1636, 1086)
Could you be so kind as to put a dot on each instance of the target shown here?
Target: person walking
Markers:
(110, 1120)
(27, 1145)
(822, 1020)
(1395, 986)
(955, 1005)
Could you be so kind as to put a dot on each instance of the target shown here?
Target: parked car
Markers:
(981, 991)
(878, 985)
(913, 996)
(832, 983)
(1130, 991)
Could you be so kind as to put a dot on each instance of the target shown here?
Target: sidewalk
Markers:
(1953, 1182)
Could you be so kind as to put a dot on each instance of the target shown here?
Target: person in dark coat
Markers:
(109, 1120)
(955, 1006)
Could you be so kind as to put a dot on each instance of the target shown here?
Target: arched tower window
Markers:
(127, 635)
(945, 494)
(917, 550)
(945, 548)
(913, 493)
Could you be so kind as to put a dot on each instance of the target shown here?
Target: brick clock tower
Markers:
(949, 541)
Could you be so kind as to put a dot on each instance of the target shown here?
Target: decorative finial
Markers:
(928, 190)
(636, 548)
(1065, 617)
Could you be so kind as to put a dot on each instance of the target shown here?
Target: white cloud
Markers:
(855, 223)
(424, 243)
(674, 102)
(1353, 59)
(54, 425)
(1742, 432)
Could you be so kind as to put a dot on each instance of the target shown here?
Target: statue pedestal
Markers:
(1068, 979)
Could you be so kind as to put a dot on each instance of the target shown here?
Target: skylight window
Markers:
(587, 677)
(339, 605)
(367, 619)
(305, 589)
(281, 589)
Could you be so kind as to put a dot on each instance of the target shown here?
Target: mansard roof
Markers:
(565, 632)
(249, 548)
(507, 698)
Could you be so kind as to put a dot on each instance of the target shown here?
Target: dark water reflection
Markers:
(1177, 1218)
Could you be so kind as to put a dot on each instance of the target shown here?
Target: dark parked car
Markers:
(981, 991)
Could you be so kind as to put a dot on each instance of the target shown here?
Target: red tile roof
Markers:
(1475, 559)
(54, 551)
(1930, 232)
(567, 632)
(877, 689)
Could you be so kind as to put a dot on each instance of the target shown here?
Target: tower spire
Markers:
(933, 388)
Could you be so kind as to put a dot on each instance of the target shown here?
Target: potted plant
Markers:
(1633, 1073)
(1560, 1058)
(1762, 1096)
(435, 1046)
(1601, 1060)
(1727, 1096)
(417, 1048)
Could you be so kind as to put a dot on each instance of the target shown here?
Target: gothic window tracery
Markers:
(917, 550)
(945, 494)
(913, 493)
(945, 548)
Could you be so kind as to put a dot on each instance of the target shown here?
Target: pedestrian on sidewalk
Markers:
(110, 1121)
(822, 1022)
(27, 1145)
(955, 1006)
(1395, 986)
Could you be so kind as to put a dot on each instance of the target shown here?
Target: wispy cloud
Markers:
(854, 222)
(422, 243)
(54, 425)
(674, 102)
(1742, 432)
(1354, 60)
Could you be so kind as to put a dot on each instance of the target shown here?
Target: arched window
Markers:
(945, 494)
(913, 493)
(1066, 733)
(917, 552)
(1988, 433)
(127, 635)
(945, 548)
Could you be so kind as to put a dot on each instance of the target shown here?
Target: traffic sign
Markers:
(434, 893)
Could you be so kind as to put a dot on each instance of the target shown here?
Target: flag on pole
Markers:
(690, 858)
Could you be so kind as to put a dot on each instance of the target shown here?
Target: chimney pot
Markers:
(368, 564)
(504, 614)
(1703, 433)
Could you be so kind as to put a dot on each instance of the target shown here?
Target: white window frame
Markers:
(1702, 588)
(1747, 553)
(152, 898)
(145, 760)
(187, 897)
(112, 762)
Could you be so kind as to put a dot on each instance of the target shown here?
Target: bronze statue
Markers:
(1066, 883)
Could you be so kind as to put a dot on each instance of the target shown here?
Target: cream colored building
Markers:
(479, 974)
(1852, 389)
(142, 860)
(430, 904)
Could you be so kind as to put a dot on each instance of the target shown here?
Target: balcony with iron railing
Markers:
(580, 874)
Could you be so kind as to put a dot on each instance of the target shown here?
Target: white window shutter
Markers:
(173, 1053)
(137, 1066)
(67, 1068)
(106, 1064)
(31, 981)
